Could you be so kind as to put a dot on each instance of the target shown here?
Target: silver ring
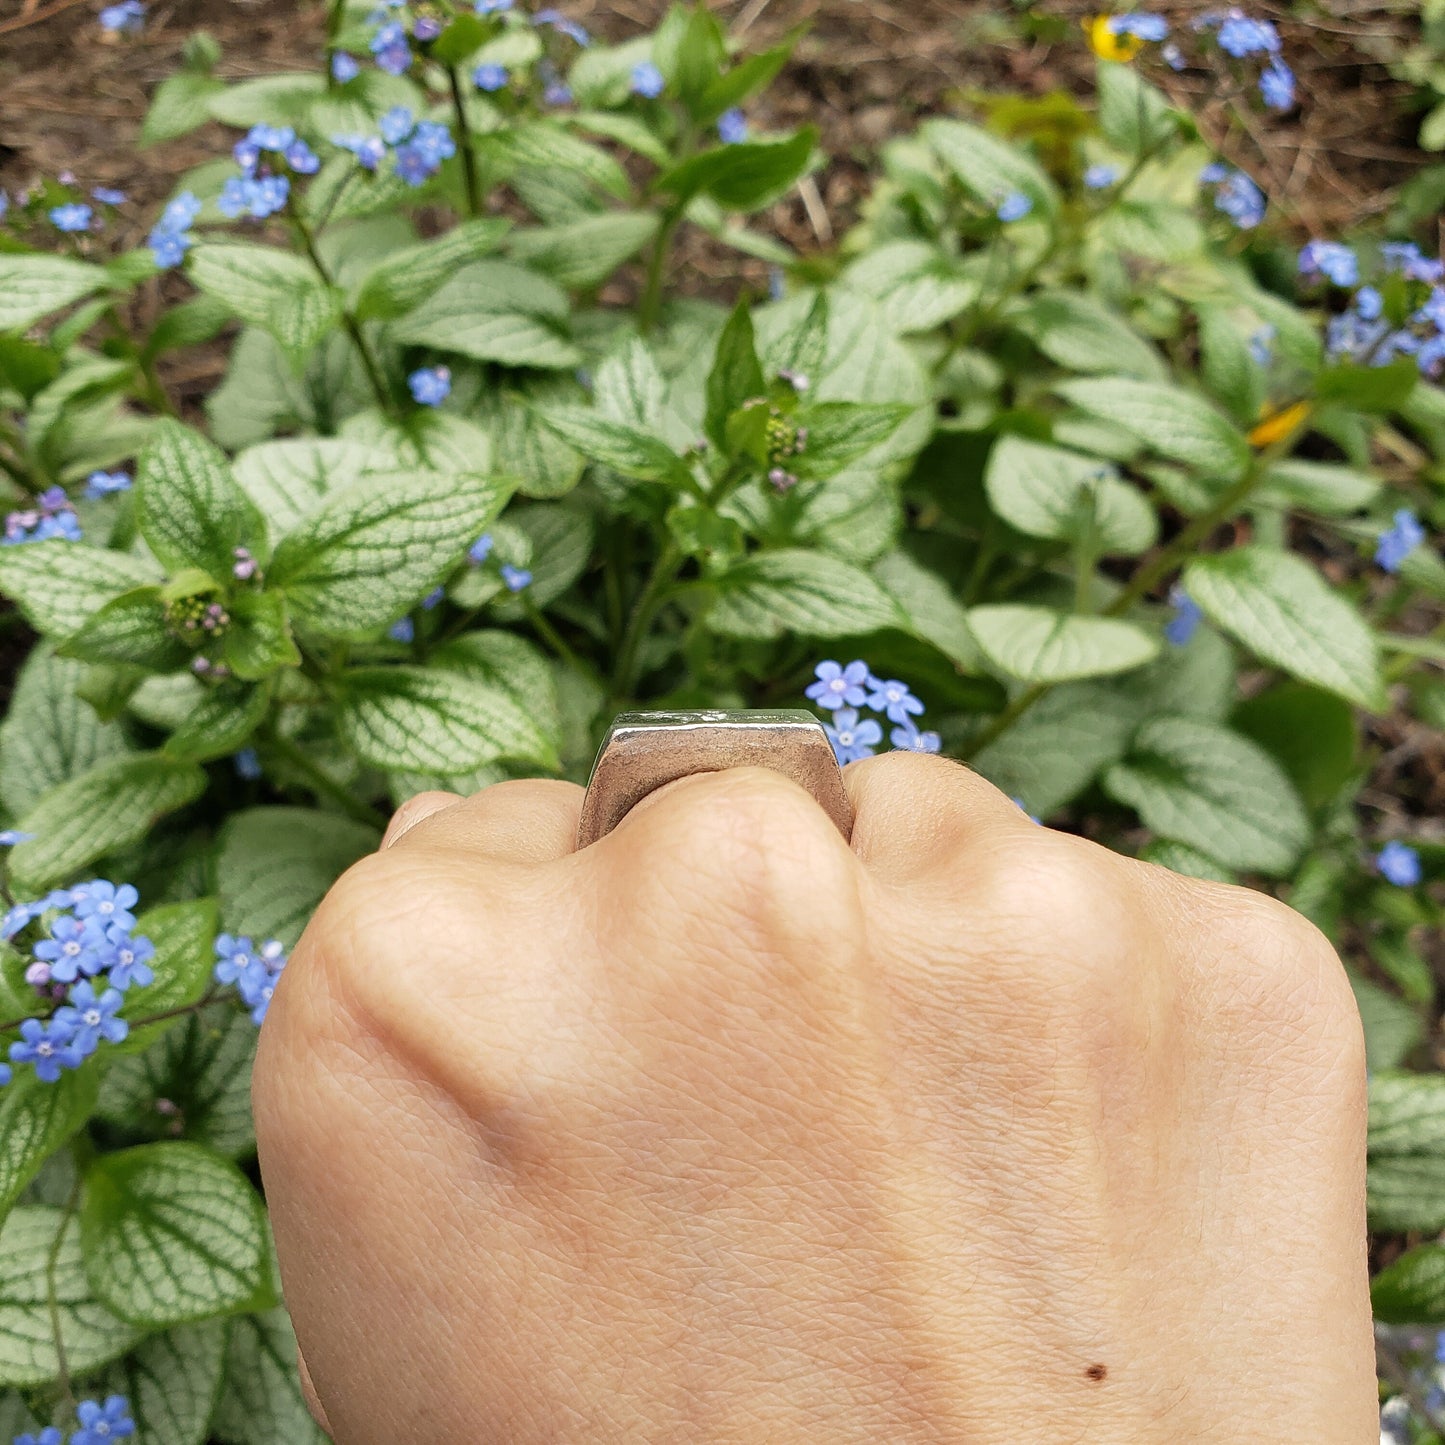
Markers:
(645, 750)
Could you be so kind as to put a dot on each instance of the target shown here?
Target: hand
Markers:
(720, 1130)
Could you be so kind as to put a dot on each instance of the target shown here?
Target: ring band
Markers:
(645, 750)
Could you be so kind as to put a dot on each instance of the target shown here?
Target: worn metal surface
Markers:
(644, 750)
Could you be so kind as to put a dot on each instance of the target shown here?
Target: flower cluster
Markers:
(1399, 312)
(418, 147)
(261, 189)
(170, 237)
(1235, 194)
(843, 690)
(85, 956)
(99, 1421)
(53, 515)
(253, 970)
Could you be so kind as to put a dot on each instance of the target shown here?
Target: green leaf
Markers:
(262, 1402)
(1211, 788)
(988, 167)
(274, 865)
(792, 591)
(49, 733)
(98, 812)
(221, 722)
(741, 177)
(407, 277)
(412, 719)
(92, 1336)
(184, 936)
(1230, 371)
(494, 311)
(181, 104)
(744, 79)
(279, 292)
(171, 1382)
(1328, 488)
(203, 1067)
(1406, 1147)
(379, 545)
(1037, 644)
(736, 375)
(1368, 388)
(132, 630)
(839, 432)
(1311, 732)
(258, 641)
(540, 461)
(1081, 334)
(1392, 1027)
(59, 584)
(504, 660)
(1411, 1290)
(1279, 607)
(582, 254)
(561, 540)
(629, 387)
(282, 97)
(1134, 116)
(1046, 491)
(627, 449)
(188, 506)
(172, 1233)
(933, 614)
(545, 145)
(1189, 862)
(916, 285)
(1171, 421)
(288, 481)
(36, 1119)
(32, 287)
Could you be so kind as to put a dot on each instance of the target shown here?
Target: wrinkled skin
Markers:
(722, 1130)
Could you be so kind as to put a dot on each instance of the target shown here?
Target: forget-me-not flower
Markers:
(515, 578)
(1330, 259)
(1398, 864)
(9, 837)
(1399, 540)
(1276, 85)
(236, 956)
(100, 1424)
(402, 630)
(480, 550)
(1235, 194)
(1141, 24)
(344, 67)
(430, 385)
(1100, 177)
(72, 216)
(108, 196)
(91, 1017)
(647, 80)
(1241, 35)
(559, 22)
(838, 686)
(852, 738)
(47, 1046)
(74, 947)
(1014, 207)
(107, 903)
(49, 1435)
(489, 77)
(909, 739)
(106, 484)
(129, 961)
(893, 699)
(127, 18)
(732, 127)
(390, 49)
(1184, 622)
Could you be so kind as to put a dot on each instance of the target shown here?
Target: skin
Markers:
(724, 1130)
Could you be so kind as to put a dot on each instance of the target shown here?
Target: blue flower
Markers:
(247, 764)
(1330, 259)
(260, 197)
(516, 578)
(1236, 195)
(1369, 304)
(236, 955)
(168, 248)
(102, 1423)
(490, 77)
(129, 962)
(1240, 35)
(426, 28)
(91, 1018)
(301, 158)
(557, 92)
(106, 484)
(434, 142)
(1100, 177)
(480, 550)
(6, 1074)
(1399, 541)
(258, 983)
(180, 213)
(412, 166)
(893, 699)
(492, 7)
(403, 630)
(1276, 85)
(647, 80)
(271, 137)
(107, 903)
(732, 127)
(396, 125)
(18, 916)
(560, 23)
(9, 837)
(48, 1047)
(430, 385)
(344, 67)
(1398, 864)
(127, 18)
(909, 740)
(73, 216)
(433, 599)
(1406, 257)
(369, 150)
(49, 1435)
(852, 739)
(389, 47)
(73, 948)
(1141, 24)
(838, 686)
(1014, 207)
(107, 196)
(1184, 623)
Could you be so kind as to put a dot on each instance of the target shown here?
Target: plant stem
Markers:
(549, 634)
(650, 306)
(62, 1365)
(322, 783)
(643, 611)
(353, 329)
(464, 142)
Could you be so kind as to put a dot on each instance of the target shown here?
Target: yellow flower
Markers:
(1274, 426)
(1106, 44)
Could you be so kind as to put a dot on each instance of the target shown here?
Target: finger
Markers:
(524, 820)
(914, 812)
(308, 1393)
(416, 810)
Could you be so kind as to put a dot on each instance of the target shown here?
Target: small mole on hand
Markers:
(1097, 1372)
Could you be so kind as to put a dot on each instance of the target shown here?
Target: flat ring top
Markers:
(645, 750)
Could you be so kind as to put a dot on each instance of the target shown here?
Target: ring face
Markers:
(645, 750)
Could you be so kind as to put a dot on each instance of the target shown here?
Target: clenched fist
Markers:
(724, 1130)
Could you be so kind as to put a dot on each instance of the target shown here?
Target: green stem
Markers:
(643, 611)
(554, 639)
(650, 306)
(322, 783)
(464, 143)
(353, 329)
